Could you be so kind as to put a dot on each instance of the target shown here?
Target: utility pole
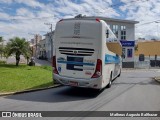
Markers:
(51, 41)
(50, 37)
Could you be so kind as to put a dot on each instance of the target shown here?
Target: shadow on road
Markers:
(60, 94)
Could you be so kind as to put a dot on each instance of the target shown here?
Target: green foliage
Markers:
(18, 46)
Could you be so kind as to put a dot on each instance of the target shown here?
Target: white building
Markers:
(34, 44)
(48, 37)
(42, 49)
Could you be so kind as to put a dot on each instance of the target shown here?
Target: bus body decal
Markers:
(111, 59)
(76, 63)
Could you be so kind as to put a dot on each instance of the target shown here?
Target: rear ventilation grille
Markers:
(76, 51)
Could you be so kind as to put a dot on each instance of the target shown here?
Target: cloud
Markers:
(6, 1)
(4, 16)
(31, 3)
(26, 16)
(24, 12)
(143, 11)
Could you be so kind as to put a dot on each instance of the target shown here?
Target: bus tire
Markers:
(110, 81)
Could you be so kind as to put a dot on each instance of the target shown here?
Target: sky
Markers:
(24, 18)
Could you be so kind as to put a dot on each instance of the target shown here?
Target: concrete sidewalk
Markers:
(42, 62)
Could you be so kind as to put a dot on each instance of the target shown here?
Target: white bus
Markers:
(81, 57)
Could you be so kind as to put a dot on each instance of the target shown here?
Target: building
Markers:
(48, 37)
(34, 44)
(42, 49)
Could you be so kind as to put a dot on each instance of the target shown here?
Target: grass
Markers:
(23, 77)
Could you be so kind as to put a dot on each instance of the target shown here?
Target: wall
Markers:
(130, 29)
(147, 48)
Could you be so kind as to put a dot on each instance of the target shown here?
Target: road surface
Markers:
(133, 91)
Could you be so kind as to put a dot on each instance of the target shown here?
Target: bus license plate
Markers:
(73, 83)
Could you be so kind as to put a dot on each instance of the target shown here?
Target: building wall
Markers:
(37, 38)
(147, 48)
(48, 45)
(130, 29)
(42, 48)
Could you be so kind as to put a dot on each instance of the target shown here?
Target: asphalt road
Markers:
(133, 91)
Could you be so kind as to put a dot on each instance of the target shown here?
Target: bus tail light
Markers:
(98, 71)
(54, 65)
(97, 19)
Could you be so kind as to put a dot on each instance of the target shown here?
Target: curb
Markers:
(27, 91)
(157, 79)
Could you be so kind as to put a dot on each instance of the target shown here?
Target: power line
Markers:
(148, 23)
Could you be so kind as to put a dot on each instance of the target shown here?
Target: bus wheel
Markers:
(110, 82)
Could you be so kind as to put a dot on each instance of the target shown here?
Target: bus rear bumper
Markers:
(78, 82)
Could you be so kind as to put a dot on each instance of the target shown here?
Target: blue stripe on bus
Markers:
(111, 59)
(76, 63)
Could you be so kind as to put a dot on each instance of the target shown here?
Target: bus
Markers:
(81, 57)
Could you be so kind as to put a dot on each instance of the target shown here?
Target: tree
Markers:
(18, 46)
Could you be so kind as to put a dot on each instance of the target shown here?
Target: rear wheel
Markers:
(110, 81)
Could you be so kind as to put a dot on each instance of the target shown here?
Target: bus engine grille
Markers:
(76, 51)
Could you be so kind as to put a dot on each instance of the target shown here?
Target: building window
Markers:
(129, 53)
(107, 32)
(115, 30)
(123, 32)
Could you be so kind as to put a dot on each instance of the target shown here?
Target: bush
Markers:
(2, 62)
